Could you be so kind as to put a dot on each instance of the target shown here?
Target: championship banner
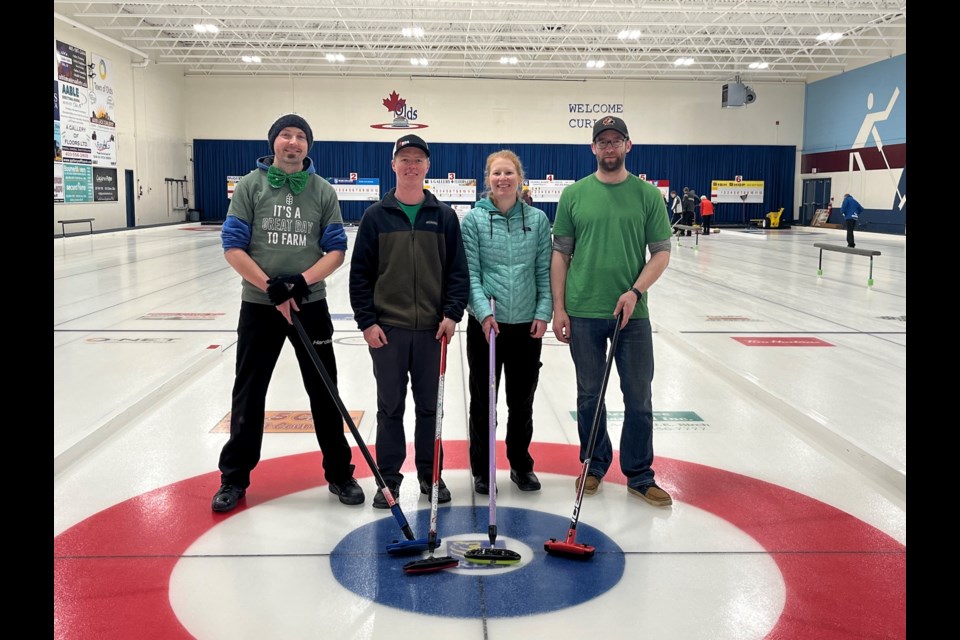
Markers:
(366, 189)
(456, 190)
(547, 190)
(734, 191)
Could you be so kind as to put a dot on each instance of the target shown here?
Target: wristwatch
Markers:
(636, 292)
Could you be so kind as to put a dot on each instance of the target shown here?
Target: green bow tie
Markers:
(277, 178)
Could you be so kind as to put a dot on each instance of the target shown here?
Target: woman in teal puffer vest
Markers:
(508, 254)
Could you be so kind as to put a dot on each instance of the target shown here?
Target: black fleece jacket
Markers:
(404, 275)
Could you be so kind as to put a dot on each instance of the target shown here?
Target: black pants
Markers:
(705, 224)
(517, 358)
(261, 333)
(850, 224)
(688, 219)
(417, 354)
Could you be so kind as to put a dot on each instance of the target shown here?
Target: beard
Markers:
(611, 165)
(290, 160)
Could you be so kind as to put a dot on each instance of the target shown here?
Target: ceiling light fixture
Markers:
(629, 34)
(508, 60)
(683, 62)
(759, 65)
(595, 64)
(829, 36)
(335, 57)
(251, 59)
(206, 28)
(422, 62)
(412, 32)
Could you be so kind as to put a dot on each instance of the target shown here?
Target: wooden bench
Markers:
(63, 223)
(840, 248)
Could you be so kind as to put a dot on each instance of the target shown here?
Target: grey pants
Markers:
(414, 356)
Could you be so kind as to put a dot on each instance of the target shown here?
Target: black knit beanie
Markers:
(289, 120)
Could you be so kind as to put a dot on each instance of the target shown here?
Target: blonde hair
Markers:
(506, 154)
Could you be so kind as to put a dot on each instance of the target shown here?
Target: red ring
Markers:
(843, 577)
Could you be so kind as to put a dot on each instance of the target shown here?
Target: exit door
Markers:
(131, 199)
(816, 195)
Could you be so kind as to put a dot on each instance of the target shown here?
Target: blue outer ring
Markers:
(539, 584)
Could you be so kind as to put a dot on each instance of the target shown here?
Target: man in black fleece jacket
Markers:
(409, 286)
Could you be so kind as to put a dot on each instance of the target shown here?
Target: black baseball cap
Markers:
(610, 123)
(411, 140)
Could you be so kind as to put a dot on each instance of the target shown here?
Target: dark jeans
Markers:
(415, 354)
(517, 358)
(705, 224)
(261, 334)
(688, 219)
(850, 224)
(589, 340)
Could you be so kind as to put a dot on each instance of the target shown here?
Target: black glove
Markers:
(282, 288)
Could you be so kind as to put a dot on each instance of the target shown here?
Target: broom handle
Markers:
(492, 484)
(594, 428)
(434, 497)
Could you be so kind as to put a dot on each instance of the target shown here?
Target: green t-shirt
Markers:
(611, 226)
(410, 209)
(285, 228)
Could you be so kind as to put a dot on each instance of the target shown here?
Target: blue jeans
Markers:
(634, 358)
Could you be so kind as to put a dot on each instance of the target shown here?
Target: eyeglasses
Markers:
(610, 144)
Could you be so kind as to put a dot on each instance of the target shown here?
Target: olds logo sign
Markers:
(403, 114)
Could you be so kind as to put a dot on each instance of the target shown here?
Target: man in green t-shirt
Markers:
(604, 227)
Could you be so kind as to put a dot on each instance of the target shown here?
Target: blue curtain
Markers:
(213, 161)
(695, 166)
(691, 166)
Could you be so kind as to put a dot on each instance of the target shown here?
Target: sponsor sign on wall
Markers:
(749, 191)
(547, 190)
(459, 190)
(231, 185)
(84, 128)
(367, 189)
(104, 184)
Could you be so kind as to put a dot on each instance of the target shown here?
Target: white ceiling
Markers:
(551, 39)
